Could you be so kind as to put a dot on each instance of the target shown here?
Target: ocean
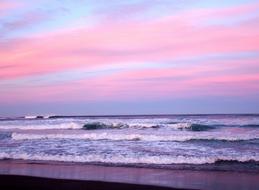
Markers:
(202, 142)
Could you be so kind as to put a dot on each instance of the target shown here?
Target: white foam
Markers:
(138, 136)
(180, 125)
(121, 159)
(30, 117)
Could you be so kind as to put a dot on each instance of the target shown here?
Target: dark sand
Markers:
(58, 175)
(16, 182)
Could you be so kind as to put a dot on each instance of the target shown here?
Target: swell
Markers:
(70, 125)
(127, 159)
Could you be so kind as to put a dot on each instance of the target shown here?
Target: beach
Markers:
(16, 174)
(28, 182)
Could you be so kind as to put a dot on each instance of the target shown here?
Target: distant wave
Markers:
(251, 126)
(122, 159)
(38, 117)
(33, 117)
(134, 137)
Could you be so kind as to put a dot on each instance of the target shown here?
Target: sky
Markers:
(88, 57)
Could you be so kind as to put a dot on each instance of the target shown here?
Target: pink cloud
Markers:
(6, 6)
(26, 20)
(224, 12)
(103, 90)
(215, 78)
(170, 38)
(84, 48)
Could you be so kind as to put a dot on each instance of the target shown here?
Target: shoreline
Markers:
(162, 178)
(220, 166)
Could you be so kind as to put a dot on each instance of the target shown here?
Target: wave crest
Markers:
(175, 126)
(191, 126)
(106, 124)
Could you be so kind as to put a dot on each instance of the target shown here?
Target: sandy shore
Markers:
(63, 175)
(16, 182)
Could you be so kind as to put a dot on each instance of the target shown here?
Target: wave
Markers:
(120, 124)
(191, 126)
(38, 116)
(5, 135)
(70, 125)
(122, 159)
(133, 137)
(33, 117)
(178, 126)
(100, 125)
(90, 125)
(250, 126)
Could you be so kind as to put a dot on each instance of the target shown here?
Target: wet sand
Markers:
(17, 174)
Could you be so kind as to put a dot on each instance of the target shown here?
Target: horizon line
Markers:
(45, 116)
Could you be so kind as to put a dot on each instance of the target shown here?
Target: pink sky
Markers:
(190, 51)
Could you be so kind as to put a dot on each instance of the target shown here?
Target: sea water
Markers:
(169, 141)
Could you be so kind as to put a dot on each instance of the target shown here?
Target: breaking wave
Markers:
(120, 124)
(191, 126)
(179, 126)
(38, 116)
(122, 159)
(132, 137)
(110, 125)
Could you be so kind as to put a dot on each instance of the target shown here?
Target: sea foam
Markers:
(122, 159)
(137, 136)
